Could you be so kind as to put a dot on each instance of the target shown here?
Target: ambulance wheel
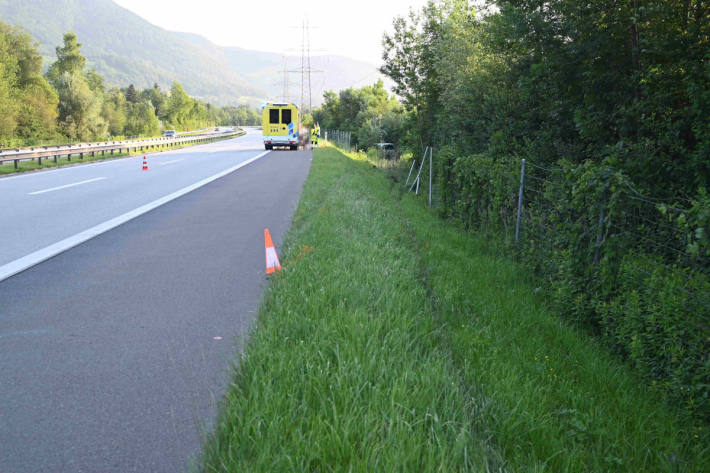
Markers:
(269, 146)
(294, 147)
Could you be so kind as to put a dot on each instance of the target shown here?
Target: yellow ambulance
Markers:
(280, 125)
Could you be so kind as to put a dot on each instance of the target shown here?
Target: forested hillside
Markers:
(71, 102)
(126, 49)
(609, 104)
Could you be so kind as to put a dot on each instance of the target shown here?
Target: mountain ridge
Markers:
(127, 49)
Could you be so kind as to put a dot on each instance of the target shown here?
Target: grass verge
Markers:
(32, 165)
(392, 341)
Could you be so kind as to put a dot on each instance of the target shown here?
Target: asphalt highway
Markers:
(42, 208)
(114, 353)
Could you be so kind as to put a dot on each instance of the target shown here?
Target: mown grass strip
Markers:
(394, 342)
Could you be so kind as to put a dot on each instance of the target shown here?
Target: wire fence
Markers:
(614, 258)
(342, 139)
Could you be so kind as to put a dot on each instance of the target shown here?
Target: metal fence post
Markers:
(419, 174)
(414, 161)
(431, 168)
(520, 202)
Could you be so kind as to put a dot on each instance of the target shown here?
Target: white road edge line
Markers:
(102, 162)
(21, 264)
(52, 189)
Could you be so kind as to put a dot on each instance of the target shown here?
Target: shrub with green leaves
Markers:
(616, 262)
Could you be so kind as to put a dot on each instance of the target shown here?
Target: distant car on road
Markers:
(170, 133)
(386, 150)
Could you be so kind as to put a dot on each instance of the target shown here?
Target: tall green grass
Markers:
(394, 342)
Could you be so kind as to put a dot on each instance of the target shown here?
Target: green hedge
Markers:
(627, 267)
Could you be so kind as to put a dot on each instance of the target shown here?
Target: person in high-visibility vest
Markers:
(314, 136)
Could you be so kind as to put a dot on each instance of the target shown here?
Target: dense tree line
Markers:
(625, 83)
(70, 103)
(370, 113)
(609, 103)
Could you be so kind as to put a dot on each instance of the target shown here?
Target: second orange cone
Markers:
(272, 259)
(145, 164)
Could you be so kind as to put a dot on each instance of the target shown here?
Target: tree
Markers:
(27, 102)
(179, 106)
(37, 113)
(114, 111)
(24, 49)
(369, 112)
(131, 94)
(95, 82)
(141, 119)
(79, 108)
(69, 59)
(157, 98)
(409, 54)
(8, 82)
(80, 95)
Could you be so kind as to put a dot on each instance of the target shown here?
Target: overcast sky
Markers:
(349, 28)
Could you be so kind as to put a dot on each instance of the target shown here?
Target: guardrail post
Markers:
(56, 159)
(39, 160)
(17, 161)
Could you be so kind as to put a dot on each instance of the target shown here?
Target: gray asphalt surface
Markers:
(29, 221)
(108, 355)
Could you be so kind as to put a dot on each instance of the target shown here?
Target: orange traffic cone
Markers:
(145, 164)
(272, 259)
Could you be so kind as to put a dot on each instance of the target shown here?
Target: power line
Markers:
(306, 70)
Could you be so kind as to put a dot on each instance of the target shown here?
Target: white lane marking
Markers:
(21, 264)
(52, 189)
(26, 332)
(106, 161)
(171, 162)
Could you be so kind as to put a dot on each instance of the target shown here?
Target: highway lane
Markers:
(114, 353)
(41, 208)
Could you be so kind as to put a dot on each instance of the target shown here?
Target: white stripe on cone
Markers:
(272, 259)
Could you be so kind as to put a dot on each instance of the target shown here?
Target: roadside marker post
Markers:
(272, 259)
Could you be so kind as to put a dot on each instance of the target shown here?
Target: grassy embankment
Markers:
(392, 341)
(9, 167)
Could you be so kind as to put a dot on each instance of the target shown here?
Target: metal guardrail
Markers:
(55, 152)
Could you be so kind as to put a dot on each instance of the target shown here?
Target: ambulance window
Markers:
(274, 115)
(286, 116)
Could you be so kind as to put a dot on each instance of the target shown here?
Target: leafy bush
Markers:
(477, 190)
(629, 269)
(660, 320)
